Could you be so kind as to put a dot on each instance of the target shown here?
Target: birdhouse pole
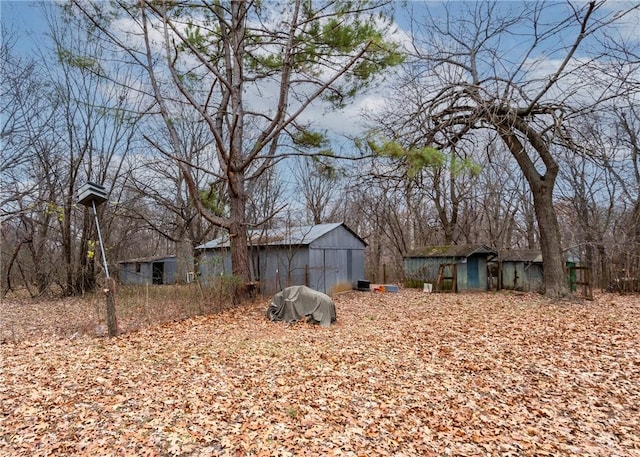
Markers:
(104, 257)
(92, 195)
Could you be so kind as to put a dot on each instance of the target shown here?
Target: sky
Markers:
(24, 16)
(24, 21)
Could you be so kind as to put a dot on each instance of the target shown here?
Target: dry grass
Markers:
(137, 307)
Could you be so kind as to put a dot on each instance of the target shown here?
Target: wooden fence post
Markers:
(112, 321)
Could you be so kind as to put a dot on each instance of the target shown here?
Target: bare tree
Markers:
(480, 67)
(213, 55)
(317, 184)
(507, 216)
(94, 133)
(159, 196)
(628, 134)
(587, 194)
(66, 128)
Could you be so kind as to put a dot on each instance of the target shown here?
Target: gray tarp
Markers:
(297, 302)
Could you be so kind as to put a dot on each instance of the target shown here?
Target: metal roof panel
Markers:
(458, 250)
(285, 236)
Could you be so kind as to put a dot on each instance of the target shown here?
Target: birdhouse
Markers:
(92, 193)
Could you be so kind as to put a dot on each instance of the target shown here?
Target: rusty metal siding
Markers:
(425, 268)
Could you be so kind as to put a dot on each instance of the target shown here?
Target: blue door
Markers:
(473, 279)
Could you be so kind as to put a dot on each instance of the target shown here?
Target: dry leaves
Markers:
(402, 374)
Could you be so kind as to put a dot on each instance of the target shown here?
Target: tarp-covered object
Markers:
(297, 302)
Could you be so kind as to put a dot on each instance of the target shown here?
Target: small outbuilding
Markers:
(457, 268)
(521, 269)
(148, 270)
(324, 257)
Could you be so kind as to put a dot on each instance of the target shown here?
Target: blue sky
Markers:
(25, 22)
(24, 18)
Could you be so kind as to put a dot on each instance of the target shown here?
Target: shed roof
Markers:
(522, 255)
(286, 236)
(149, 259)
(461, 250)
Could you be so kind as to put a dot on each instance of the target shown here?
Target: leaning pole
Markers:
(93, 195)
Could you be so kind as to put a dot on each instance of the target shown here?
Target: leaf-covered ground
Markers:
(407, 374)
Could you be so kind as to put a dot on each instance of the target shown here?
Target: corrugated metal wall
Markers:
(213, 263)
(281, 267)
(335, 259)
(471, 271)
(170, 271)
(529, 276)
(129, 274)
(426, 268)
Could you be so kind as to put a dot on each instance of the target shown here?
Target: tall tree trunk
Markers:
(555, 278)
(238, 230)
(184, 258)
(85, 280)
(239, 247)
(67, 245)
(605, 272)
(9, 266)
(555, 281)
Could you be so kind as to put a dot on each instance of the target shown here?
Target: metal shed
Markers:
(470, 263)
(148, 270)
(522, 269)
(325, 257)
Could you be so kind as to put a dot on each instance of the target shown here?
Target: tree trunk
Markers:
(239, 258)
(239, 250)
(238, 232)
(40, 276)
(85, 280)
(7, 272)
(184, 258)
(555, 278)
(605, 272)
(67, 248)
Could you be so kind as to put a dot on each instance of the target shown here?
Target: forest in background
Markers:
(437, 159)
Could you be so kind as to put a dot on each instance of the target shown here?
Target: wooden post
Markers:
(112, 322)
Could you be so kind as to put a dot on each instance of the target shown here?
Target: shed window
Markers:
(138, 267)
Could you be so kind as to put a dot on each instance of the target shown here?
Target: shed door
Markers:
(158, 273)
(330, 270)
(473, 278)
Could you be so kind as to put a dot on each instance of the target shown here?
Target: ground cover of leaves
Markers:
(402, 374)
